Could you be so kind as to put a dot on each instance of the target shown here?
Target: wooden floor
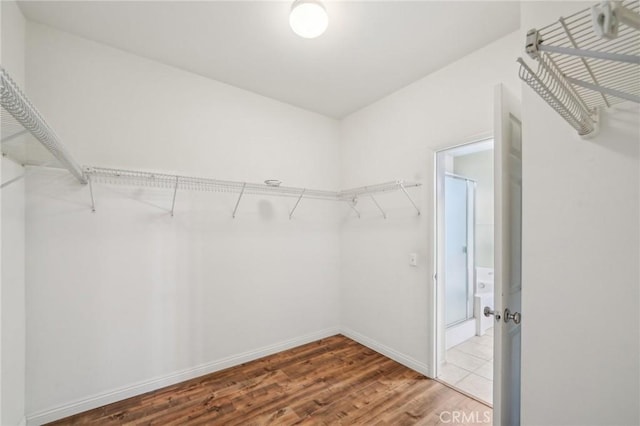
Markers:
(331, 381)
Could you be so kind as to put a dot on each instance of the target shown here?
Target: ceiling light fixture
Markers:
(308, 18)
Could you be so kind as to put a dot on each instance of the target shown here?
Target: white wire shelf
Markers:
(586, 61)
(349, 194)
(26, 118)
(551, 87)
(19, 145)
(163, 180)
(190, 183)
(20, 118)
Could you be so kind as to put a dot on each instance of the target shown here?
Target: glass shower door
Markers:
(457, 233)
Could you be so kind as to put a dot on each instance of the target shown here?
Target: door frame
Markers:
(436, 290)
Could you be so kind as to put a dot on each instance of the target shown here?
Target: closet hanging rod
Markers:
(15, 102)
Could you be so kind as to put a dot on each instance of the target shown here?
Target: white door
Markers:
(508, 258)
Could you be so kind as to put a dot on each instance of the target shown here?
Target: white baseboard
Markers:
(105, 398)
(109, 397)
(403, 359)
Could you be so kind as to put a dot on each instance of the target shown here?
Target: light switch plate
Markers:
(413, 259)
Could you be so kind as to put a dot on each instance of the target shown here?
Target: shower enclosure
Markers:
(459, 231)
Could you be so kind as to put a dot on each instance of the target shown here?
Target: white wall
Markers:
(580, 298)
(385, 302)
(12, 295)
(1, 346)
(13, 41)
(128, 295)
(201, 291)
(116, 109)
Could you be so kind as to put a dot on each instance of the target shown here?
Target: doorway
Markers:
(465, 232)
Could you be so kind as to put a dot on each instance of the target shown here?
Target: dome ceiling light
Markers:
(308, 18)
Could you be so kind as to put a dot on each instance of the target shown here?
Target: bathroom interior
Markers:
(467, 190)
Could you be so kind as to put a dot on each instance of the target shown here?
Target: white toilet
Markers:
(483, 296)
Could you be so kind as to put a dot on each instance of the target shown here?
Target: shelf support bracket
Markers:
(235, 209)
(28, 171)
(583, 60)
(297, 202)
(93, 201)
(384, 215)
(352, 204)
(10, 181)
(604, 90)
(607, 16)
(175, 192)
(409, 197)
(609, 56)
(15, 135)
(627, 16)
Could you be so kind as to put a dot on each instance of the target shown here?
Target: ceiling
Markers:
(371, 48)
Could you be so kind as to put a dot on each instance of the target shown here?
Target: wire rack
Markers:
(14, 102)
(395, 185)
(19, 145)
(559, 94)
(586, 61)
(190, 183)
(19, 117)
(163, 180)
(11, 129)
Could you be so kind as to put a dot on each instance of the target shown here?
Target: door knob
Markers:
(488, 312)
(516, 317)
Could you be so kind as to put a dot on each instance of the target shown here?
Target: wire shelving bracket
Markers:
(175, 192)
(351, 195)
(175, 182)
(93, 200)
(15, 102)
(235, 209)
(587, 61)
(384, 215)
(297, 202)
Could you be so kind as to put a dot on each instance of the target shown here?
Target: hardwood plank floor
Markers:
(334, 381)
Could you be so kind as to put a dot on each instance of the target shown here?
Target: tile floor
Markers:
(469, 367)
